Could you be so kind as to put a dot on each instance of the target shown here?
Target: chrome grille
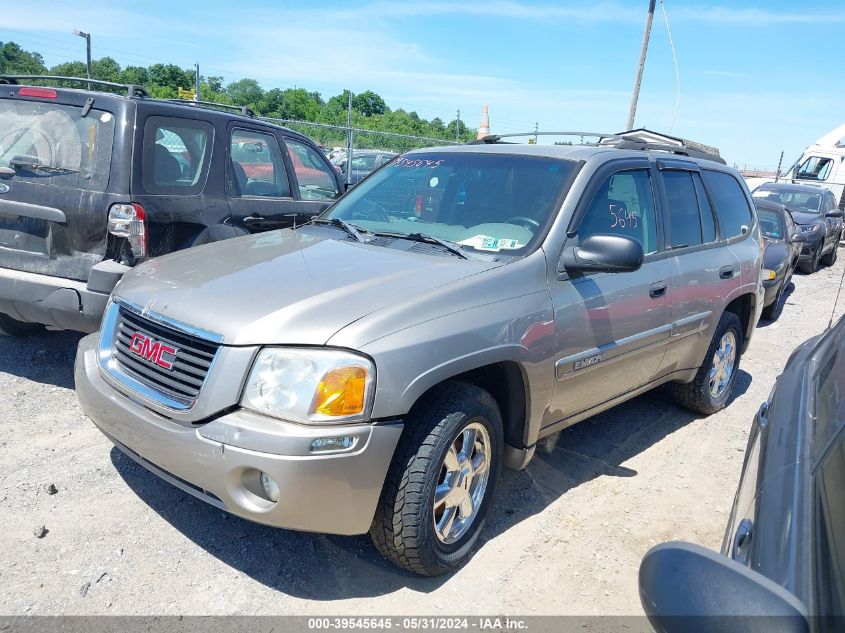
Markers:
(193, 357)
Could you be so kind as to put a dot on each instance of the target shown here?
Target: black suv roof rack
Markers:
(641, 139)
(132, 90)
(212, 105)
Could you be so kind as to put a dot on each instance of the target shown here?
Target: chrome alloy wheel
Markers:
(462, 483)
(724, 361)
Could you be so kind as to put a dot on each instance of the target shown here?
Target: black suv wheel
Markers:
(441, 481)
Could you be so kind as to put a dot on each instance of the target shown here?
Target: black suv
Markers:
(93, 182)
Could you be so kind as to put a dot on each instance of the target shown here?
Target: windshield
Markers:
(54, 144)
(487, 202)
(801, 201)
(771, 224)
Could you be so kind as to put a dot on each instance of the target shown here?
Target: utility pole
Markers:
(349, 141)
(197, 83)
(780, 163)
(536, 131)
(87, 37)
(458, 128)
(635, 97)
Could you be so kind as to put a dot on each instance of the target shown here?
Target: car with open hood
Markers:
(374, 370)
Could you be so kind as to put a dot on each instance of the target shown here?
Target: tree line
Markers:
(369, 110)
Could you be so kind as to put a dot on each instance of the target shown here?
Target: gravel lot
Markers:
(565, 537)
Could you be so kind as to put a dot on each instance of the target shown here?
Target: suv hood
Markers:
(287, 287)
(806, 218)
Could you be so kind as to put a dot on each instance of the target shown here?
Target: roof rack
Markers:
(641, 139)
(132, 90)
(212, 104)
(495, 138)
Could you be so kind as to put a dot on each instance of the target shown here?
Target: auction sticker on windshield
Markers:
(486, 243)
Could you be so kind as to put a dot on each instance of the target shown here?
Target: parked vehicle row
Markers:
(373, 364)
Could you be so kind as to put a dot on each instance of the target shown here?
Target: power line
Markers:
(677, 72)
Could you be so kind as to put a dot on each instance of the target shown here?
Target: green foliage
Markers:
(369, 110)
(16, 61)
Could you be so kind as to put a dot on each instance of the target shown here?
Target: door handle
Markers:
(657, 289)
(726, 272)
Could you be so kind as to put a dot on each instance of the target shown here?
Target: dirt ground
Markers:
(565, 536)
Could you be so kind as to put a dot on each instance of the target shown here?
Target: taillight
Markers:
(44, 93)
(128, 220)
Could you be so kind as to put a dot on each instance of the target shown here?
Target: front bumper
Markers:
(808, 250)
(220, 461)
(771, 287)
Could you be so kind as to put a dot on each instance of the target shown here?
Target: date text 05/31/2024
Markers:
(434, 623)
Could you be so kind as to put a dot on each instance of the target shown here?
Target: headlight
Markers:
(769, 274)
(310, 385)
(811, 228)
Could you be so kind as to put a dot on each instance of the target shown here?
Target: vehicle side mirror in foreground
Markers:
(836, 213)
(798, 238)
(685, 588)
(603, 253)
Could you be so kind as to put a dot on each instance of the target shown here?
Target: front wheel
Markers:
(812, 265)
(713, 384)
(441, 481)
(13, 327)
(830, 258)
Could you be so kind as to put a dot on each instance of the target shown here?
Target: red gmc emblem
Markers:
(152, 350)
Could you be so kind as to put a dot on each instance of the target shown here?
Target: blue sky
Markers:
(756, 77)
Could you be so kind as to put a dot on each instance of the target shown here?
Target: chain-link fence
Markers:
(355, 149)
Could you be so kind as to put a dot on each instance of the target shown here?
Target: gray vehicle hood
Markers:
(286, 287)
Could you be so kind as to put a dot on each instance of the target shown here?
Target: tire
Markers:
(813, 265)
(697, 395)
(13, 327)
(772, 311)
(830, 258)
(403, 528)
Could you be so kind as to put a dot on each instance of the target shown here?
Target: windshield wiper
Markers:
(36, 166)
(429, 239)
(351, 229)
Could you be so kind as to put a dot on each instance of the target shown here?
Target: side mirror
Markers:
(836, 213)
(603, 253)
(687, 588)
(798, 238)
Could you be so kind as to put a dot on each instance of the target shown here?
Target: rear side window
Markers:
(176, 155)
(623, 205)
(731, 204)
(257, 165)
(684, 220)
(830, 537)
(708, 225)
(315, 177)
(53, 144)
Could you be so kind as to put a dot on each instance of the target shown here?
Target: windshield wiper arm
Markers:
(36, 166)
(430, 239)
(350, 229)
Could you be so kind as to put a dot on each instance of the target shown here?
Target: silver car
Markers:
(374, 370)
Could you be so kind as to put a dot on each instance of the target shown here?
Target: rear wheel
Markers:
(13, 327)
(713, 384)
(441, 481)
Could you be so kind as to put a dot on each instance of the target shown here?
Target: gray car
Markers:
(375, 369)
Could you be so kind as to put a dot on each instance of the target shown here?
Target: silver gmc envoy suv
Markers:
(374, 370)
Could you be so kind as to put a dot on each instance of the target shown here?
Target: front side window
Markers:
(815, 168)
(364, 163)
(257, 165)
(315, 178)
(482, 201)
(176, 155)
(730, 202)
(54, 144)
(623, 205)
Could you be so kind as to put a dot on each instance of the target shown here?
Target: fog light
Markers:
(325, 444)
(269, 487)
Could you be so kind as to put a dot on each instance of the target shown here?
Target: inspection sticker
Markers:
(487, 243)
